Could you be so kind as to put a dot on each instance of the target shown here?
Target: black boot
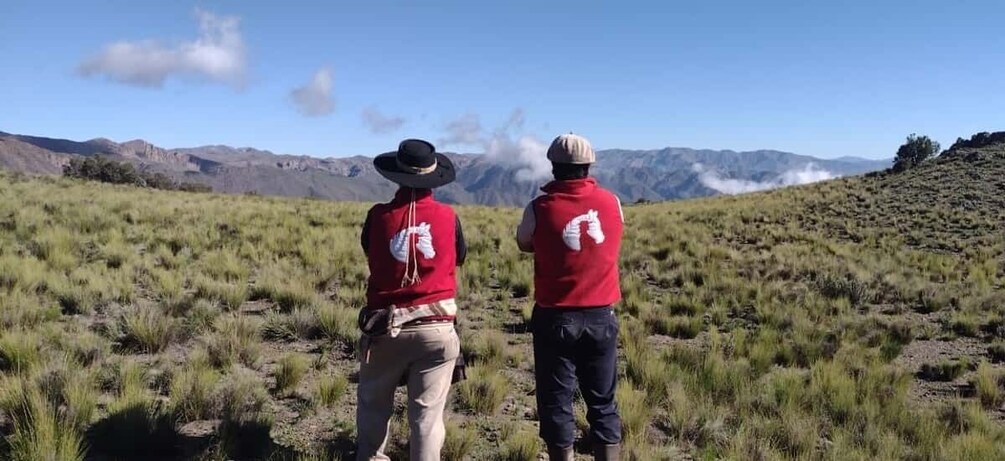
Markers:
(607, 452)
(560, 454)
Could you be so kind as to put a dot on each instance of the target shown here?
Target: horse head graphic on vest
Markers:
(400, 242)
(572, 235)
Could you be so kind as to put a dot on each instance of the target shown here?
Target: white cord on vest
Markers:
(411, 276)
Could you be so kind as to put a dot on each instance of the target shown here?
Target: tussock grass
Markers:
(147, 329)
(235, 339)
(488, 349)
(636, 414)
(338, 323)
(483, 392)
(330, 389)
(19, 310)
(988, 384)
(20, 351)
(192, 391)
(289, 372)
(521, 446)
(37, 429)
(947, 370)
(459, 442)
(230, 294)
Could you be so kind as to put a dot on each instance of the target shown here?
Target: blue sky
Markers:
(820, 78)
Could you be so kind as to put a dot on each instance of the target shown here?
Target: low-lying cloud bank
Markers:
(713, 180)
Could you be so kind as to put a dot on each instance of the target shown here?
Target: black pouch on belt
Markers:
(373, 322)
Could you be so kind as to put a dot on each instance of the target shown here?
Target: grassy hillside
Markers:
(857, 319)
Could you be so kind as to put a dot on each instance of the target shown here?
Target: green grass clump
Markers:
(483, 392)
(458, 443)
(330, 389)
(19, 310)
(488, 349)
(635, 413)
(37, 430)
(946, 370)
(996, 352)
(521, 446)
(234, 339)
(289, 372)
(19, 351)
(146, 329)
(241, 398)
(230, 294)
(988, 384)
(191, 391)
(338, 323)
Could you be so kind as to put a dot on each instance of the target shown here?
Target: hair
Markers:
(569, 171)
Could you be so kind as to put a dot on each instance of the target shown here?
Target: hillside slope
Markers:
(862, 318)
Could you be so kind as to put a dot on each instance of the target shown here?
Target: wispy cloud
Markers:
(507, 145)
(315, 99)
(465, 130)
(379, 123)
(218, 54)
(713, 180)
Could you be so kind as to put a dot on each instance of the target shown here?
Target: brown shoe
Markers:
(560, 454)
(607, 452)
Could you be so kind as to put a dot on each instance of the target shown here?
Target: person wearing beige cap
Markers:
(574, 231)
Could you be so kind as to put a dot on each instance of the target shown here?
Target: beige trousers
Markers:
(426, 355)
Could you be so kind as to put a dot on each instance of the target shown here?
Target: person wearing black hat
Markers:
(413, 245)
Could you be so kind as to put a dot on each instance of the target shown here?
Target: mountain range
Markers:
(653, 175)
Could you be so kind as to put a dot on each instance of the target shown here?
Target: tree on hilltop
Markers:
(914, 152)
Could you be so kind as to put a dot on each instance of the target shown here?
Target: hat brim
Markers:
(387, 165)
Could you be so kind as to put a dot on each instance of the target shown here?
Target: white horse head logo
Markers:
(573, 236)
(401, 240)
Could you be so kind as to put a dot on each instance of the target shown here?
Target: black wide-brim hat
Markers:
(416, 164)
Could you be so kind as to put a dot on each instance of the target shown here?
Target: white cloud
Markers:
(506, 146)
(315, 98)
(217, 54)
(713, 180)
(379, 123)
(465, 130)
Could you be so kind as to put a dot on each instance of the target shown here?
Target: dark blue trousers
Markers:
(576, 346)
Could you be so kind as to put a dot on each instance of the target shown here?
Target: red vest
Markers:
(430, 242)
(577, 239)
